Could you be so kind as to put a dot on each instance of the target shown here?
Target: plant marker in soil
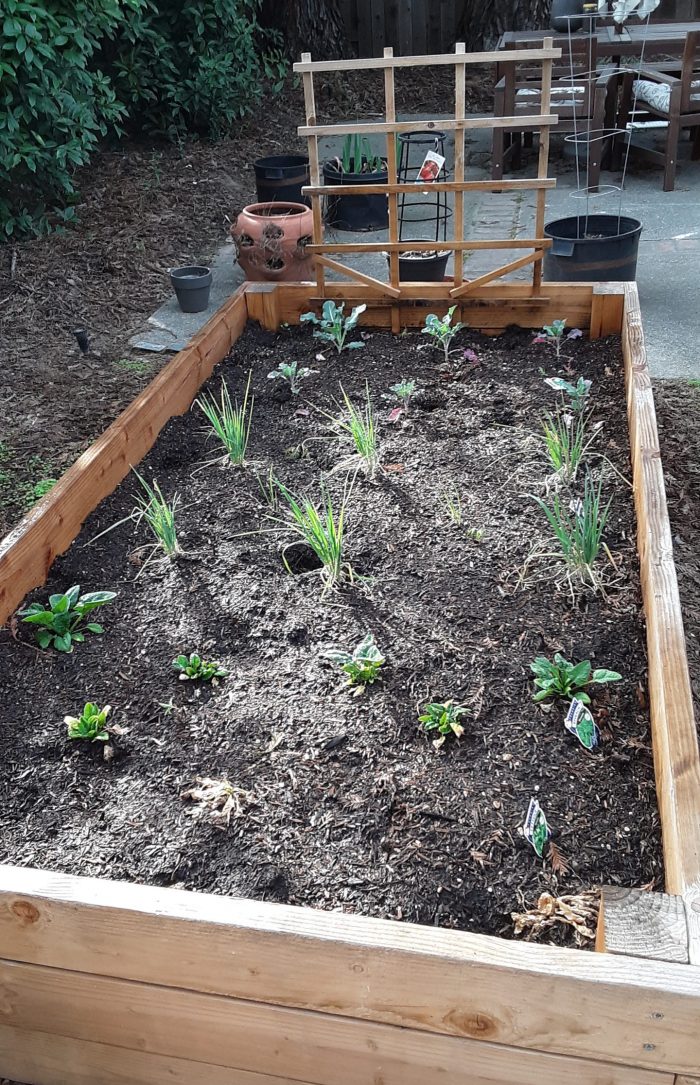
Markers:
(536, 829)
(580, 723)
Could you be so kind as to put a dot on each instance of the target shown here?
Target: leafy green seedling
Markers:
(194, 668)
(362, 664)
(441, 329)
(58, 622)
(356, 426)
(159, 515)
(566, 439)
(578, 529)
(577, 394)
(91, 724)
(443, 717)
(292, 373)
(321, 526)
(402, 393)
(554, 335)
(333, 326)
(563, 679)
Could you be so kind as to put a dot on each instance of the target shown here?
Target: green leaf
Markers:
(44, 638)
(543, 694)
(63, 643)
(94, 627)
(603, 675)
(580, 674)
(39, 617)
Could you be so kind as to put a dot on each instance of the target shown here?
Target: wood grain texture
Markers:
(430, 246)
(50, 1059)
(495, 273)
(433, 60)
(469, 124)
(458, 217)
(691, 903)
(633, 1012)
(639, 924)
(674, 734)
(511, 184)
(27, 553)
(607, 310)
(359, 276)
(269, 1040)
(314, 167)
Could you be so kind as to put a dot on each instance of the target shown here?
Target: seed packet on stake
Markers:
(432, 165)
(536, 829)
(579, 721)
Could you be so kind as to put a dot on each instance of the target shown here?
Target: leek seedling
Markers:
(322, 527)
(159, 515)
(566, 439)
(230, 423)
(357, 428)
(579, 528)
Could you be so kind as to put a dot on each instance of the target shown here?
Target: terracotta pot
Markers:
(271, 241)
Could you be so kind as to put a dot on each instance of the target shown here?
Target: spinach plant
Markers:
(334, 327)
(292, 373)
(58, 622)
(563, 679)
(362, 664)
(194, 668)
(90, 724)
(441, 329)
(443, 717)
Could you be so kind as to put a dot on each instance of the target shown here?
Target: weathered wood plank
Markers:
(27, 553)
(321, 1048)
(639, 924)
(434, 60)
(675, 742)
(471, 123)
(438, 981)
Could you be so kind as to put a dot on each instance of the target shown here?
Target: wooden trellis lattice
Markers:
(458, 124)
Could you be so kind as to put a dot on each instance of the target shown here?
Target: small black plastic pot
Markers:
(422, 267)
(192, 285)
(355, 212)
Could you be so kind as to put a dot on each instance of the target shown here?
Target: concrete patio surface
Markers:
(668, 272)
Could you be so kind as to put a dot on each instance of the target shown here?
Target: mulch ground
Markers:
(343, 802)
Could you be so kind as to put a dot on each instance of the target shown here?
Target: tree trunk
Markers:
(482, 24)
(309, 26)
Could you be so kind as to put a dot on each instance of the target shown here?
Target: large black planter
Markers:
(423, 267)
(355, 212)
(588, 248)
(281, 177)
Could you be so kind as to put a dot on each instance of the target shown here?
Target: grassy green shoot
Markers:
(578, 529)
(159, 515)
(230, 423)
(357, 427)
(322, 527)
(566, 439)
(452, 504)
(269, 490)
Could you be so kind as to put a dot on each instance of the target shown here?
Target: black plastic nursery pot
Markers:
(192, 285)
(589, 248)
(281, 177)
(356, 212)
(422, 267)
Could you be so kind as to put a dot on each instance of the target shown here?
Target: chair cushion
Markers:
(658, 95)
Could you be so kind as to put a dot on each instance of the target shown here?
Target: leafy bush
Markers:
(55, 103)
(186, 66)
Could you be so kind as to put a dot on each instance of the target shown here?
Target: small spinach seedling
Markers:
(59, 620)
(443, 717)
(362, 664)
(194, 668)
(563, 679)
(91, 724)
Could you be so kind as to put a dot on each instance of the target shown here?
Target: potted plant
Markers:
(356, 165)
(420, 266)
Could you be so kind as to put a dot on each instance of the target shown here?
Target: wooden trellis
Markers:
(458, 124)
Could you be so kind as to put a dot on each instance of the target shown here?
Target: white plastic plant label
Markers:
(536, 830)
(580, 723)
(432, 165)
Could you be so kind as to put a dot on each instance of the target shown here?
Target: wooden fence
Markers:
(416, 27)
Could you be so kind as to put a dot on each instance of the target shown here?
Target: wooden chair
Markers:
(580, 97)
(652, 93)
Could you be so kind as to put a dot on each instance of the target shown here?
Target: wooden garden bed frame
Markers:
(104, 983)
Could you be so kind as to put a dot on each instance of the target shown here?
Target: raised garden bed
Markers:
(338, 787)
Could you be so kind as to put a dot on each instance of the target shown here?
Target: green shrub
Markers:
(55, 104)
(187, 66)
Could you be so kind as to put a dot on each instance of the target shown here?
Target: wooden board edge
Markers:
(49, 528)
(674, 733)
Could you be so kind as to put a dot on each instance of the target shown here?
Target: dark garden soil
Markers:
(343, 802)
(143, 208)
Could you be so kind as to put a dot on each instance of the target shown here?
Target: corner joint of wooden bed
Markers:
(655, 926)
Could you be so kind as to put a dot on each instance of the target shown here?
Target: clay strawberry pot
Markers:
(271, 240)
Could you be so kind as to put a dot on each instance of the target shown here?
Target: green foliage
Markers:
(362, 664)
(402, 393)
(563, 679)
(40, 489)
(577, 394)
(441, 329)
(56, 103)
(579, 528)
(357, 156)
(90, 724)
(357, 427)
(159, 515)
(334, 327)
(230, 423)
(553, 335)
(322, 527)
(443, 717)
(292, 373)
(194, 668)
(194, 65)
(58, 622)
(453, 505)
(566, 438)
